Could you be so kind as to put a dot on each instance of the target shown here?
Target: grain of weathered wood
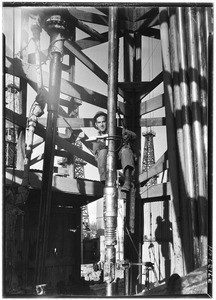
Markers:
(152, 104)
(160, 166)
(156, 190)
(149, 122)
(61, 184)
(41, 131)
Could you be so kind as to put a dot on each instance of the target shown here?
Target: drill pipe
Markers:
(51, 130)
(110, 190)
(198, 147)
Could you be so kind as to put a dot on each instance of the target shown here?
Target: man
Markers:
(124, 151)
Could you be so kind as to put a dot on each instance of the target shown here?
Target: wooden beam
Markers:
(38, 142)
(151, 32)
(17, 68)
(91, 42)
(160, 166)
(75, 123)
(133, 87)
(149, 13)
(156, 190)
(88, 16)
(104, 10)
(148, 23)
(151, 86)
(76, 50)
(152, 104)
(37, 159)
(41, 156)
(41, 131)
(84, 27)
(148, 122)
(59, 183)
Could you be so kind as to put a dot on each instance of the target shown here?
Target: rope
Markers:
(133, 243)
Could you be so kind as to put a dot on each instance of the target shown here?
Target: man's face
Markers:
(101, 124)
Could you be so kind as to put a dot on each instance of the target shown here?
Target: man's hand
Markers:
(98, 137)
(128, 135)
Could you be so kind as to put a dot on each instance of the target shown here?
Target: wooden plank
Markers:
(60, 184)
(148, 23)
(156, 190)
(91, 42)
(75, 123)
(89, 16)
(17, 68)
(133, 86)
(152, 104)
(38, 142)
(160, 166)
(37, 159)
(104, 10)
(41, 156)
(151, 32)
(152, 85)
(148, 122)
(84, 27)
(41, 131)
(149, 13)
(76, 50)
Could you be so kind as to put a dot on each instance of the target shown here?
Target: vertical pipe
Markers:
(184, 205)
(198, 148)
(188, 152)
(51, 130)
(110, 190)
(170, 126)
(138, 204)
(202, 60)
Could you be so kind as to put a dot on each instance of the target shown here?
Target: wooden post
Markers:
(171, 137)
(199, 162)
(51, 130)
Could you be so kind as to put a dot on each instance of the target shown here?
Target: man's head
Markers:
(100, 121)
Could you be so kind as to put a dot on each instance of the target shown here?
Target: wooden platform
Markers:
(62, 187)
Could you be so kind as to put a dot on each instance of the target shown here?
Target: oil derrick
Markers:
(11, 132)
(148, 155)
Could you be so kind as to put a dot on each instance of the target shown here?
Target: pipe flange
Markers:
(57, 23)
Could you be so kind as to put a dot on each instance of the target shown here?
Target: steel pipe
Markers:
(171, 137)
(110, 190)
(56, 52)
(189, 179)
(185, 212)
(199, 161)
(202, 60)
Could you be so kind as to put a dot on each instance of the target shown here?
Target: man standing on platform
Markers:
(123, 149)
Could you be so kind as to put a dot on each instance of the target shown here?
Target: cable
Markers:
(133, 243)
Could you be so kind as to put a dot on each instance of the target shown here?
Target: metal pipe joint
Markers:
(110, 214)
